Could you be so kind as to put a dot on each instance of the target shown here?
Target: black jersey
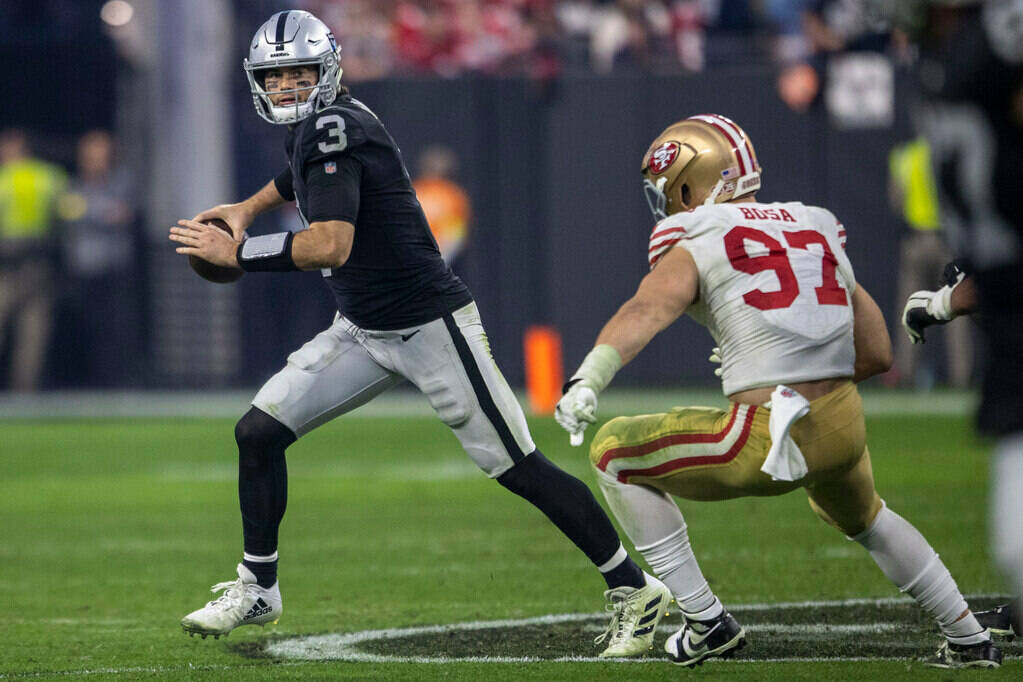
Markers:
(972, 77)
(343, 165)
(973, 123)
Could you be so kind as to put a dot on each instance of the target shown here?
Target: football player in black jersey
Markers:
(971, 78)
(403, 316)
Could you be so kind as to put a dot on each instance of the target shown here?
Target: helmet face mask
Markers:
(703, 159)
(288, 39)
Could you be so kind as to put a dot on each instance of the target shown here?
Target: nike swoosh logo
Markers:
(696, 639)
(313, 42)
(406, 337)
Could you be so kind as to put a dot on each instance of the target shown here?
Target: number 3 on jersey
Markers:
(338, 131)
(777, 260)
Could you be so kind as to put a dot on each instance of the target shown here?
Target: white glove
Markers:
(715, 357)
(926, 308)
(576, 410)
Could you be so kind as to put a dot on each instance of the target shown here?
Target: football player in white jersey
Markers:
(772, 284)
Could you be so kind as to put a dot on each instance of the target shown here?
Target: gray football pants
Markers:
(447, 359)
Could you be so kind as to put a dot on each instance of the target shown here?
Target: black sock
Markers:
(262, 485)
(570, 505)
(265, 572)
(626, 574)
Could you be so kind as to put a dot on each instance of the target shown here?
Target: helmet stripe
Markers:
(282, 22)
(735, 138)
(741, 135)
(728, 136)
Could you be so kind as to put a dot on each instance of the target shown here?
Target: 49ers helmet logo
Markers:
(663, 157)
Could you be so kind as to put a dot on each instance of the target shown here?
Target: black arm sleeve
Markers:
(284, 185)
(333, 189)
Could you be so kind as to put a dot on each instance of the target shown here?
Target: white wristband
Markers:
(598, 367)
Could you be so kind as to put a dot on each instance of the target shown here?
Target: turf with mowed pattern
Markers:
(113, 529)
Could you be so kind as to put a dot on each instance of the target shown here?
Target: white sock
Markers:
(259, 559)
(615, 561)
(655, 525)
(673, 561)
(903, 554)
(1006, 512)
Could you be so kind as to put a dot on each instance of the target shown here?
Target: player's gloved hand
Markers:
(954, 273)
(926, 308)
(576, 410)
(715, 357)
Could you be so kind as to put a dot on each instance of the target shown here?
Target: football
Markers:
(215, 273)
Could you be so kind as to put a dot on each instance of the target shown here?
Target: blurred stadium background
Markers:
(542, 107)
(524, 123)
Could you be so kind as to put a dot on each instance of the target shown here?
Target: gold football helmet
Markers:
(705, 159)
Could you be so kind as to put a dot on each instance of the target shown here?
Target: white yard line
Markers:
(345, 647)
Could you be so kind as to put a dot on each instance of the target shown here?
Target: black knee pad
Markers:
(257, 431)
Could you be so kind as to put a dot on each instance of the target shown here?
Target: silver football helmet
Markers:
(291, 38)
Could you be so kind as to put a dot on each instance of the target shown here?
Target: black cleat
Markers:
(1002, 620)
(698, 640)
(983, 655)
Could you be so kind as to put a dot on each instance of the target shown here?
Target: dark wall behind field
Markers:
(560, 226)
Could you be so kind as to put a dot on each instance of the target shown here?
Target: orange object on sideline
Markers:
(544, 372)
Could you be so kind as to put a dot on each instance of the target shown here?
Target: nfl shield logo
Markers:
(330, 167)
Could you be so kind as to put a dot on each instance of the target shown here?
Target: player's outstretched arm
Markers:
(870, 335)
(661, 298)
(239, 216)
(926, 308)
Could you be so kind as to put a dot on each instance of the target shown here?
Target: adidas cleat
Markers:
(949, 655)
(699, 640)
(636, 613)
(1002, 620)
(243, 603)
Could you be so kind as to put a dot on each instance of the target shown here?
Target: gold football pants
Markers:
(703, 453)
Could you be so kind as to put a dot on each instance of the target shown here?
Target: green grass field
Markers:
(115, 528)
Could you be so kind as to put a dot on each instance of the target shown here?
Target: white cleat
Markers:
(636, 613)
(243, 603)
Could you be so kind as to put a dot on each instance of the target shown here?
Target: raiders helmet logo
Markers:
(663, 157)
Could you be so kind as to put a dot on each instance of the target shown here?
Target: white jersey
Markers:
(775, 289)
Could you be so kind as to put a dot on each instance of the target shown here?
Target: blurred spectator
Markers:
(363, 28)
(99, 252)
(845, 26)
(688, 33)
(798, 86)
(29, 189)
(922, 253)
(848, 40)
(445, 203)
(450, 37)
(380, 38)
(786, 18)
(627, 34)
